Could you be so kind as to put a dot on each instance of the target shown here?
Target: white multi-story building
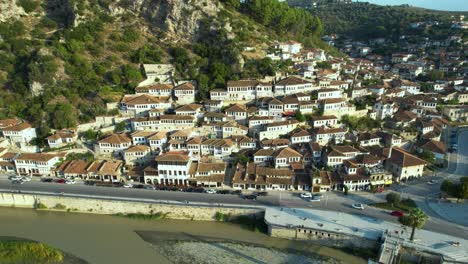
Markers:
(293, 85)
(329, 93)
(276, 129)
(323, 136)
(321, 121)
(138, 104)
(173, 168)
(114, 144)
(20, 133)
(138, 155)
(385, 108)
(184, 93)
(37, 164)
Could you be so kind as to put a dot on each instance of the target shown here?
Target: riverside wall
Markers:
(330, 239)
(102, 206)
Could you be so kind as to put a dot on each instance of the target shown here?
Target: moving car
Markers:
(358, 206)
(431, 182)
(316, 199)
(306, 195)
(250, 197)
(127, 185)
(15, 178)
(210, 191)
(70, 182)
(397, 213)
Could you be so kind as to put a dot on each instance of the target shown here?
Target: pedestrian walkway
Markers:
(452, 248)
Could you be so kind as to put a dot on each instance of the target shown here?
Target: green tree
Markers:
(300, 117)
(393, 198)
(63, 116)
(120, 127)
(415, 219)
(447, 186)
(427, 156)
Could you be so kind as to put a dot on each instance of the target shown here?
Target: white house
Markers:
(20, 133)
(184, 93)
(37, 164)
(61, 138)
(276, 129)
(113, 144)
(137, 104)
(292, 85)
(172, 169)
(404, 165)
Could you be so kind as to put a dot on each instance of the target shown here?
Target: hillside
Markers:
(364, 20)
(61, 61)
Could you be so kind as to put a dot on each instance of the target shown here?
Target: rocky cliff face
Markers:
(10, 11)
(179, 19)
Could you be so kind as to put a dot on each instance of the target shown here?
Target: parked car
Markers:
(306, 195)
(15, 178)
(18, 181)
(127, 185)
(149, 187)
(250, 197)
(432, 182)
(358, 206)
(210, 191)
(238, 192)
(70, 181)
(26, 179)
(60, 181)
(397, 213)
(224, 191)
(262, 193)
(47, 180)
(139, 186)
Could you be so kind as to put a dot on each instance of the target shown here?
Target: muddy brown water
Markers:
(110, 239)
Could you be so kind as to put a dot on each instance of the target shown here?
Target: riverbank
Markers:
(15, 250)
(110, 239)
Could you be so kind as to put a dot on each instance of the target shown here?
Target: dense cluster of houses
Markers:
(279, 133)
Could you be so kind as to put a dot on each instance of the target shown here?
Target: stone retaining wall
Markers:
(98, 206)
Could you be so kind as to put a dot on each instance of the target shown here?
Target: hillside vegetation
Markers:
(61, 61)
(364, 20)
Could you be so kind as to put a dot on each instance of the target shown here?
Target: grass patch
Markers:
(156, 216)
(60, 206)
(28, 252)
(41, 206)
(222, 217)
(256, 225)
(405, 205)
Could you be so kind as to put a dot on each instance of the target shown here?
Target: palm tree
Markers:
(415, 219)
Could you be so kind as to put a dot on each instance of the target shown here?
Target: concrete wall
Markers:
(98, 206)
(322, 237)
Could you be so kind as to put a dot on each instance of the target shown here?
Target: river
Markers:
(110, 239)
